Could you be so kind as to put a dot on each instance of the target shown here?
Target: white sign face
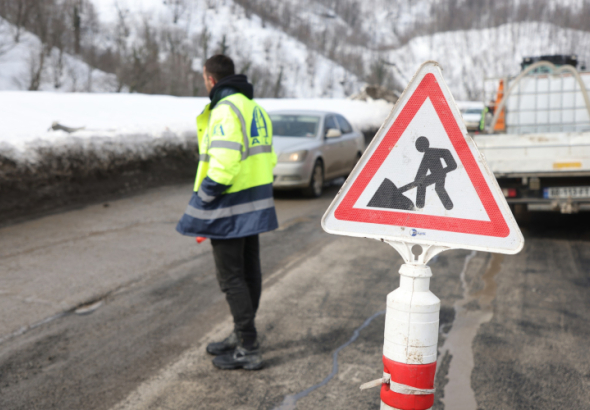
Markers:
(422, 180)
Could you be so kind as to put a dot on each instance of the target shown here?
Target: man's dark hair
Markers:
(220, 66)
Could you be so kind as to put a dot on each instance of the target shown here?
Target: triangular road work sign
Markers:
(423, 180)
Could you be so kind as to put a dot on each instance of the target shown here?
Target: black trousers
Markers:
(240, 278)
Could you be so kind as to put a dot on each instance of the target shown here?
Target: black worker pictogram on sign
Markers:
(423, 180)
(431, 171)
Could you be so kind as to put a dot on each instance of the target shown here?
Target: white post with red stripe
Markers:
(410, 346)
(372, 204)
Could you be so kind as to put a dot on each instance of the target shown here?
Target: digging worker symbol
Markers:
(431, 162)
(233, 202)
(430, 172)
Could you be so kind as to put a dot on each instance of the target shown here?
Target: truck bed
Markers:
(547, 172)
(551, 154)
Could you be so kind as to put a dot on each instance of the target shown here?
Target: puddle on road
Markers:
(488, 293)
(458, 394)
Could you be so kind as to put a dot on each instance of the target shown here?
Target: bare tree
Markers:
(77, 24)
(18, 13)
(35, 67)
(223, 47)
(122, 32)
(73, 76)
(57, 67)
(205, 38)
(178, 8)
(278, 85)
(176, 68)
(142, 66)
(88, 87)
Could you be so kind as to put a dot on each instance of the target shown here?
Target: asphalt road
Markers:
(106, 307)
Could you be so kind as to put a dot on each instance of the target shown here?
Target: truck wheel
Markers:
(316, 183)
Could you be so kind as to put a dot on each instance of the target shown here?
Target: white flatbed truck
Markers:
(537, 142)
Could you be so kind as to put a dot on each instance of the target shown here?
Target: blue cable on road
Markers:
(290, 401)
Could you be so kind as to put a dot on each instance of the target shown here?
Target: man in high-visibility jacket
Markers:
(233, 202)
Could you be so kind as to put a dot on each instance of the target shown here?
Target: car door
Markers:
(333, 147)
(349, 149)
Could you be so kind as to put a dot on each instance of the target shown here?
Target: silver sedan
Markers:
(313, 147)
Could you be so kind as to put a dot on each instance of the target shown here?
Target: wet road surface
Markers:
(514, 329)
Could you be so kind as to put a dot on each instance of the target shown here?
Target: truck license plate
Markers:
(567, 192)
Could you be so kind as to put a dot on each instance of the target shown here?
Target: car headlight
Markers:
(297, 156)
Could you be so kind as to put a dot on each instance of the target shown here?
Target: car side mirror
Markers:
(333, 133)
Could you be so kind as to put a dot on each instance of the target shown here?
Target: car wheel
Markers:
(316, 183)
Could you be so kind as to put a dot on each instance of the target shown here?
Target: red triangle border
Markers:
(428, 88)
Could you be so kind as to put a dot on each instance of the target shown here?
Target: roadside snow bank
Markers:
(27, 116)
(128, 141)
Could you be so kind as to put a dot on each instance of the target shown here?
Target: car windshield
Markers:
(285, 125)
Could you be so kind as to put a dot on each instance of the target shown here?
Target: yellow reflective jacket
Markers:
(233, 186)
(235, 144)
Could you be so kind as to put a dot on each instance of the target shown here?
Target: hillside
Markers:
(291, 48)
(467, 56)
(384, 42)
(278, 64)
(27, 65)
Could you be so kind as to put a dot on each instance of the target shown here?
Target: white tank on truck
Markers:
(535, 134)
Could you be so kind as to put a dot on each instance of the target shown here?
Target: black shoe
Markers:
(240, 359)
(228, 345)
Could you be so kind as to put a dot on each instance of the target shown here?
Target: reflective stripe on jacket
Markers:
(233, 189)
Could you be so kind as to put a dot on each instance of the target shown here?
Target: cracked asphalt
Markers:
(143, 345)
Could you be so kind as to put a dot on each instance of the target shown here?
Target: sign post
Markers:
(423, 187)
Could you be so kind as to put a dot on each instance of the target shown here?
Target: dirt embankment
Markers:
(78, 172)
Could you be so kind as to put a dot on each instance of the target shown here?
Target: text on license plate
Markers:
(567, 192)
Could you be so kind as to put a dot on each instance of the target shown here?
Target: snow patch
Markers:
(64, 73)
(250, 41)
(28, 116)
(466, 57)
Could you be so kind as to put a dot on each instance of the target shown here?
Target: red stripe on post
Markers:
(420, 376)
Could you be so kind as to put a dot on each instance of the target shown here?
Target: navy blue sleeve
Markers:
(212, 188)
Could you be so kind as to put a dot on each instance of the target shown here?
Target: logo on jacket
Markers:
(218, 130)
(258, 129)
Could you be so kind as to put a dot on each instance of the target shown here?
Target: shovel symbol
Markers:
(390, 196)
(430, 172)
